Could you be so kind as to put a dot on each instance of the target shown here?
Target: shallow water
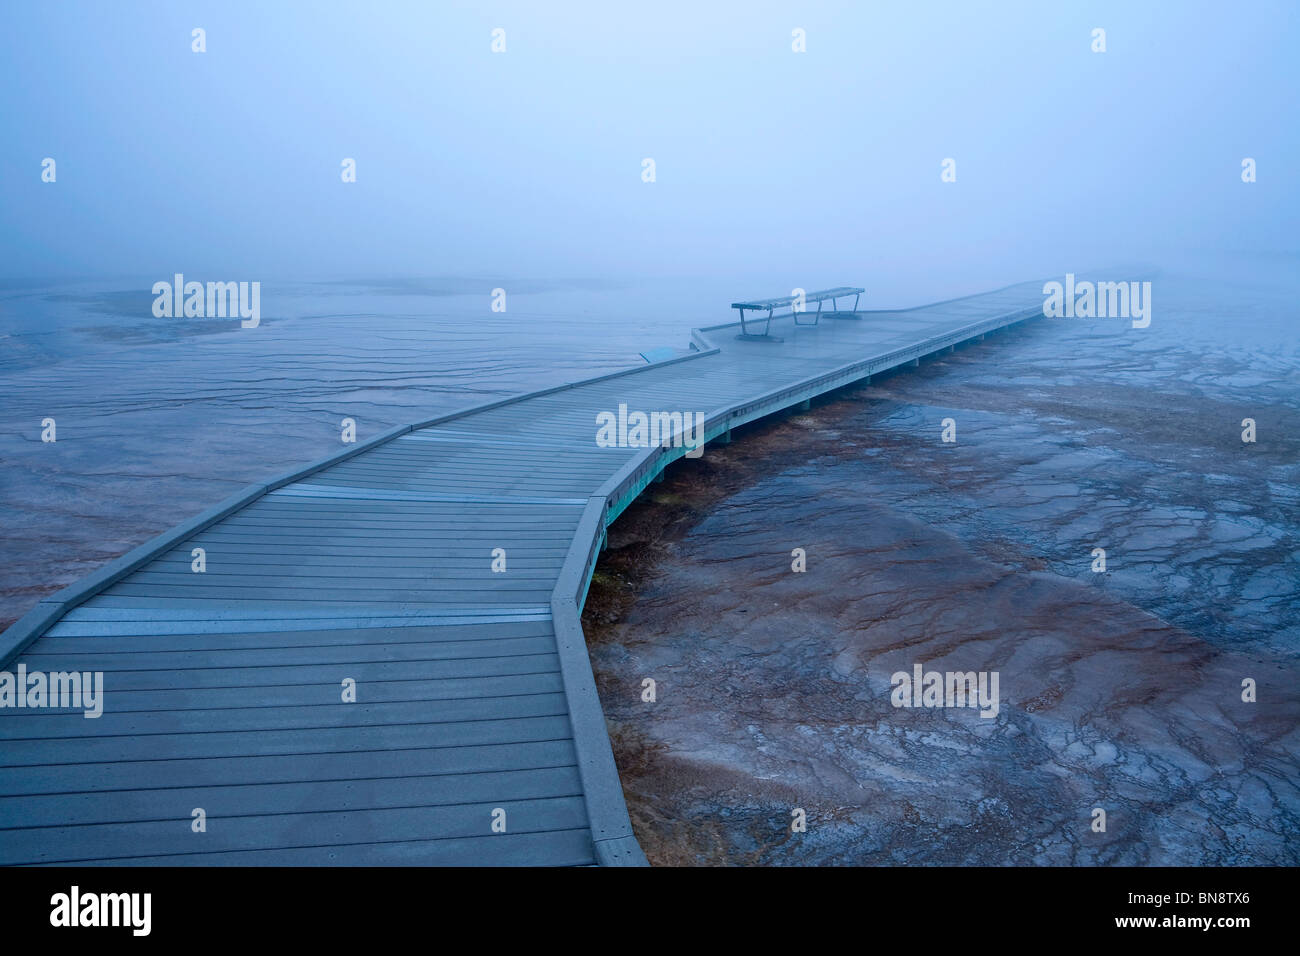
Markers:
(1118, 690)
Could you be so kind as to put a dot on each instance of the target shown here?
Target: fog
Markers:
(773, 167)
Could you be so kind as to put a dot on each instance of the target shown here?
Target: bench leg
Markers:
(816, 316)
(751, 336)
(837, 314)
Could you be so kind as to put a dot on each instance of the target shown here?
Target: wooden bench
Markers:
(771, 305)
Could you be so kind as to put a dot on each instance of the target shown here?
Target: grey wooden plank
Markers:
(244, 658)
(274, 613)
(80, 750)
(345, 607)
(548, 509)
(446, 486)
(66, 638)
(227, 580)
(369, 493)
(528, 474)
(311, 490)
(431, 447)
(333, 595)
(346, 550)
(329, 565)
(322, 566)
(203, 616)
(285, 830)
(249, 679)
(469, 534)
(327, 506)
(326, 524)
(542, 535)
(535, 560)
(224, 620)
(237, 572)
(174, 773)
(170, 804)
(429, 452)
(442, 485)
(273, 715)
(551, 848)
(471, 445)
(465, 514)
(533, 474)
(524, 481)
(173, 699)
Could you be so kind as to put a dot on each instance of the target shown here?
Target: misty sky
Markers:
(226, 164)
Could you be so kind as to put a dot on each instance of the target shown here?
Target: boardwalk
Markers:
(474, 699)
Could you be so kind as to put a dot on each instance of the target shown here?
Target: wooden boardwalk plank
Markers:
(251, 799)
(454, 760)
(285, 830)
(551, 848)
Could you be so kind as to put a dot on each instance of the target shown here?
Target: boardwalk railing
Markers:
(611, 830)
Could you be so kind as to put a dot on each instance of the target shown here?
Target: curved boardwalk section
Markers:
(382, 662)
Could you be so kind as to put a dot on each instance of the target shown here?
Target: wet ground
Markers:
(1120, 691)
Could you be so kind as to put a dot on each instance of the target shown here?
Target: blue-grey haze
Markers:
(774, 169)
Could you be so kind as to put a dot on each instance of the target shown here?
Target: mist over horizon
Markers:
(772, 169)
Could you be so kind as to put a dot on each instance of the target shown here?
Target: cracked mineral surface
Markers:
(1120, 690)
